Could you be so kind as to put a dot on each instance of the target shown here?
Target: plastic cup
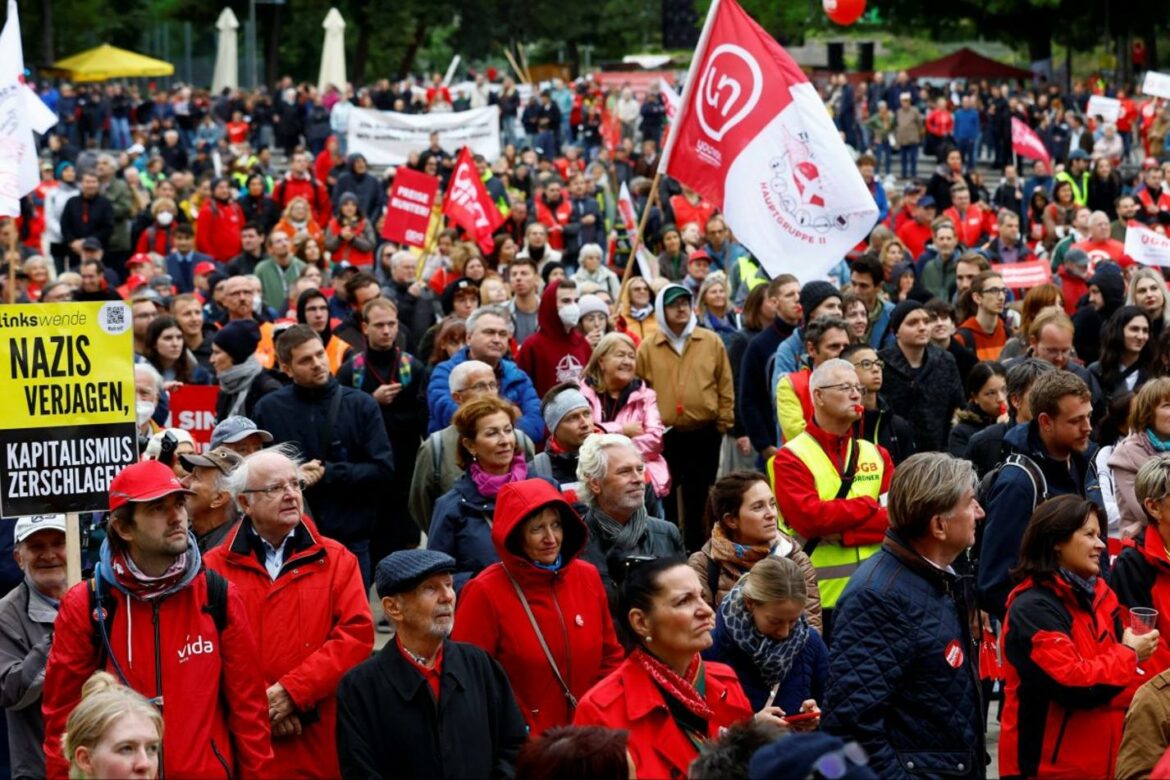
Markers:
(1142, 620)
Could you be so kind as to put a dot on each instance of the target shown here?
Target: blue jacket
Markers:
(879, 197)
(514, 385)
(359, 464)
(805, 680)
(753, 404)
(966, 124)
(183, 274)
(903, 675)
(1010, 504)
(461, 527)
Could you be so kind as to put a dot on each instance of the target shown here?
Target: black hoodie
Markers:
(1089, 322)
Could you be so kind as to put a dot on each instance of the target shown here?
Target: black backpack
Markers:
(103, 607)
(1020, 461)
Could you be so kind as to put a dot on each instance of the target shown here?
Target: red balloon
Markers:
(844, 12)
(492, 75)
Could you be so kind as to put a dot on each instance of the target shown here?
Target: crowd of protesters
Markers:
(669, 519)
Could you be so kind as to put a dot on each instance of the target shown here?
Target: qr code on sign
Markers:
(112, 318)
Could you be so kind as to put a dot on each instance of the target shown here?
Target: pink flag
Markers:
(468, 203)
(1026, 143)
(753, 136)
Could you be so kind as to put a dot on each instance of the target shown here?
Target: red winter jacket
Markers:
(569, 605)
(629, 699)
(215, 711)
(1140, 576)
(1071, 289)
(1067, 674)
(308, 188)
(312, 625)
(555, 219)
(217, 230)
(860, 520)
(551, 356)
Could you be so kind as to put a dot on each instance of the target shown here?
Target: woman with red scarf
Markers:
(669, 699)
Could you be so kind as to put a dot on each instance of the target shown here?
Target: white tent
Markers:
(333, 52)
(227, 71)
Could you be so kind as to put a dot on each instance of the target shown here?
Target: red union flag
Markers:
(1026, 143)
(1146, 246)
(408, 212)
(468, 204)
(753, 136)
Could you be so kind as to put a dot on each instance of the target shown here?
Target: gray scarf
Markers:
(234, 382)
(615, 534)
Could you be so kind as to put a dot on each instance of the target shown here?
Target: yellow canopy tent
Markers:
(109, 62)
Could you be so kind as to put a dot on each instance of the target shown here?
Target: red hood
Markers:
(548, 320)
(519, 500)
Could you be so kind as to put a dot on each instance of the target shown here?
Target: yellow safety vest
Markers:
(834, 562)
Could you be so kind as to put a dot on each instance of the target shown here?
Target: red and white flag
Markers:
(753, 136)
(1026, 143)
(670, 98)
(468, 204)
(1146, 246)
(625, 204)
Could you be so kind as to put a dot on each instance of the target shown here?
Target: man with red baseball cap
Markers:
(177, 634)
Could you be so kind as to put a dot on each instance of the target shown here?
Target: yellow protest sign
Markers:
(67, 391)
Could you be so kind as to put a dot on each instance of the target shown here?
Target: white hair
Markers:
(593, 460)
(821, 375)
(155, 377)
(236, 482)
(457, 381)
(398, 258)
(494, 310)
(590, 250)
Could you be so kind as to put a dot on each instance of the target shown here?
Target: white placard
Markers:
(388, 137)
(1146, 246)
(1157, 84)
(1105, 107)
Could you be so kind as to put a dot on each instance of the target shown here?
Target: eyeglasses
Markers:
(847, 387)
(279, 489)
(835, 765)
(482, 387)
(867, 364)
(994, 291)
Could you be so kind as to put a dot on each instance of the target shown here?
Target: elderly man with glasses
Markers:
(830, 487)
(305, 602)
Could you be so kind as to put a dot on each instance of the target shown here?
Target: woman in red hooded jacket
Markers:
(218, 226)
(539, 537)
(1072, 659)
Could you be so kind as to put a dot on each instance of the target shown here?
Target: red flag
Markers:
(753, 136)
(1026, 143)
(408, 211)
(468, 204)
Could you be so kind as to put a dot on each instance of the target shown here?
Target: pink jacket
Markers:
(642, 407)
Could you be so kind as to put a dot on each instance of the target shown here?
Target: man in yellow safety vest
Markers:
(830, 487)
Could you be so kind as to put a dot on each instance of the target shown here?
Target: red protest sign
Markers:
(193, 410)
(1022, 276)
(408, 212)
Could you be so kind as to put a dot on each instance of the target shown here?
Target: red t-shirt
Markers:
(433, 676)
(237, 132)
(1109, 249)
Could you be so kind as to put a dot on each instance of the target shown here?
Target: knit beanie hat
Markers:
(592, 304)
(901, 312)
(814, 294)
(555, 409)
(239, 338)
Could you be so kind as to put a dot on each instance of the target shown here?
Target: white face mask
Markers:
(165, 218)
(570, 315)
(143, 410)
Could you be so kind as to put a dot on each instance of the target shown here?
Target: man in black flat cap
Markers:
(425, 706)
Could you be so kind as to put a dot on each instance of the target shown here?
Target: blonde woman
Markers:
(1147, 291)
(112, 733)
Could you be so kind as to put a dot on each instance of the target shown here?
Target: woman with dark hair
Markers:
(758, 311)
(502, 254)
(1069, 650)
(518, 609)
(1161, 363)
(1059, 214)
(575, 753)
(1126, 352)
(1038, 235)
(167, 351)
(664, 694)
(257, 206)
(1104, 187)
(741, 513)
(1110, 430)
(986, 404)
(349, 237)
